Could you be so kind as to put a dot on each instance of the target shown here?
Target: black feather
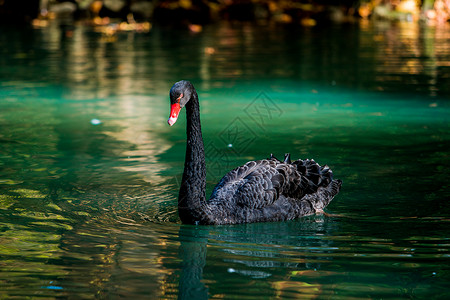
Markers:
(287, 158)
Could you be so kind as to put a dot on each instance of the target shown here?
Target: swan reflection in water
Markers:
(256, 251)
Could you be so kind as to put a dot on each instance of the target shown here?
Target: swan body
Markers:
(266, 190)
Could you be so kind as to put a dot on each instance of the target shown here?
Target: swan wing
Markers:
(254, 185)
(259, 184)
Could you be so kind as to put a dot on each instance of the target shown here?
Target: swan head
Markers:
(180, 93)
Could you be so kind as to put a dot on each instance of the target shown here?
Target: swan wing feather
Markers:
(259, 184)
(254, 185)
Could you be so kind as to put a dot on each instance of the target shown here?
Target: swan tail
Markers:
(313, 175)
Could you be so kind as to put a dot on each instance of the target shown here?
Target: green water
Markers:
(88, 210)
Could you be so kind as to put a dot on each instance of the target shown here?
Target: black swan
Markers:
(260, 191)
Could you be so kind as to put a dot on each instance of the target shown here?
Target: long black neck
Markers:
(191, 199)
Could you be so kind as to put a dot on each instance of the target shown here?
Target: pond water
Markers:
(90, 169)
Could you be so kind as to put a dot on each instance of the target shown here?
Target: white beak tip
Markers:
(171, 121)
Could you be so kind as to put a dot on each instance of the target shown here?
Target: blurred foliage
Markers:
(186, 12)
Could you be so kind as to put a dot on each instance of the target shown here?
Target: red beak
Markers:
(174, 111)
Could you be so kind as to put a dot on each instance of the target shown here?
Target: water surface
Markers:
(90, 170)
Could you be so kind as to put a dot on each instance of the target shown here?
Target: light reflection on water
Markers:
(90, 210)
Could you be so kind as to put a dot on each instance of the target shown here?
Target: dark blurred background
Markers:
(196, 13)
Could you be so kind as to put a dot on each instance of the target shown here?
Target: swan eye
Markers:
(179, 98)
